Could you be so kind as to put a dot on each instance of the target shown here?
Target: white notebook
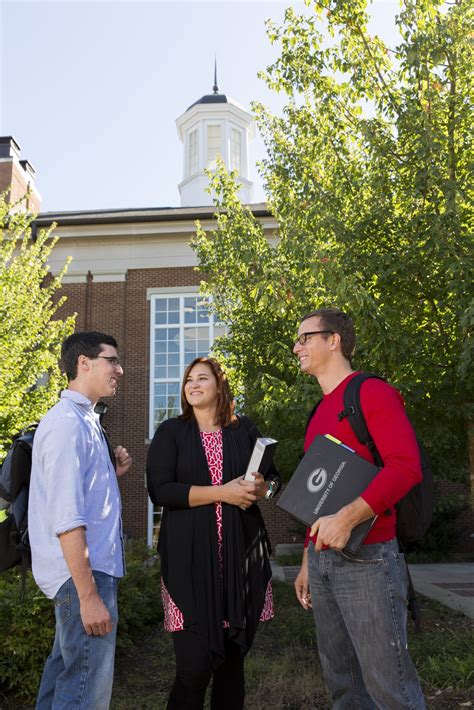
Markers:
(261, 458)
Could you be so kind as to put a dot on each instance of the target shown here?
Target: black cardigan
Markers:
(188, 536)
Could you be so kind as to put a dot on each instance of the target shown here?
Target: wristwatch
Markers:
(272, 487)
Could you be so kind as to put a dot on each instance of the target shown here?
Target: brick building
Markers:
(133, 275)
(17, 175)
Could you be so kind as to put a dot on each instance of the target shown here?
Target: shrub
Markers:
(442, 536)
(139, 595)
(27, 635)
(28, 627)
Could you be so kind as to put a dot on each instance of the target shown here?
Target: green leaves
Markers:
(30, 332)
(28, 627)
(366, 176)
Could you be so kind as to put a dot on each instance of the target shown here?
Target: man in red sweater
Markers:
(359, 604)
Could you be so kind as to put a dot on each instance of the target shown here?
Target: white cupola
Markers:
(214, 126)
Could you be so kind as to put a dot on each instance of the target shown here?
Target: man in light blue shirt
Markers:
(75, 528)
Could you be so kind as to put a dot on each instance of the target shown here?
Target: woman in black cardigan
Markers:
(213, 544)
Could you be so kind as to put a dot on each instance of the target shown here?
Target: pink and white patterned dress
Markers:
(173, 621)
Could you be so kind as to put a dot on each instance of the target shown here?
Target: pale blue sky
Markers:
(91, 90)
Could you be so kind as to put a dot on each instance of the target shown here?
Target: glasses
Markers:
(113, 359)
(302, 339)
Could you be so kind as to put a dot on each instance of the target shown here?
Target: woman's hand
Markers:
(239, 492)
(261, 485)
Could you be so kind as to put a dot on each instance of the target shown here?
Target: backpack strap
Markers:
(311, 414)
(109, 447)
(412, 602)
(353, 411)
(25, 567)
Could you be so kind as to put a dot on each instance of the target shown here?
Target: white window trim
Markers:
(239, 132)
(244, 147)
(221, 152)
(189, 172)
(152, 295)
(164, 290)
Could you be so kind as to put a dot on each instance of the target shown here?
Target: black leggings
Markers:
(194, 672)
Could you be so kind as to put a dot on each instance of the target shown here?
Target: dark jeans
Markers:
(360, 610)
(194, 672)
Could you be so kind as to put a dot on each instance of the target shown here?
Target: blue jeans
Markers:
(79, 672)
(360, 612)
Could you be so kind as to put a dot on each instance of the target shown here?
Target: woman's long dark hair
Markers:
(225, 401)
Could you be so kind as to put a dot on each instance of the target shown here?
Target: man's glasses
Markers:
(113, 359)
(304, 337)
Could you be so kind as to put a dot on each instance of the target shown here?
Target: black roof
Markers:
(210, 99)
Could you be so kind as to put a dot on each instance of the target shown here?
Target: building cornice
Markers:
(127, 216)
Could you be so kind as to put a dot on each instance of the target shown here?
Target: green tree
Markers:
(30, 335)
(368, 175)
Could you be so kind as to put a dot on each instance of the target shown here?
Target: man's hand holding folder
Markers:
(329, 482)
(335, 530)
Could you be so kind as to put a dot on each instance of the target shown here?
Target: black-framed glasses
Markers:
(302, 339)
(113, 359)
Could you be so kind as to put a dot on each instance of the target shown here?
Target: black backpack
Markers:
(15, 474)
(415, 510)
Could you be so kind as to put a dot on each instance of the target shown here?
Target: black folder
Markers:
(328, 477)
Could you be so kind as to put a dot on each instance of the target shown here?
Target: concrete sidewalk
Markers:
(450, 584)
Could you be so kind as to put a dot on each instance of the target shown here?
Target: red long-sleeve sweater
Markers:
(390, 428)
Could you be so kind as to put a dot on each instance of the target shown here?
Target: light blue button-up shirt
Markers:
(73, 484)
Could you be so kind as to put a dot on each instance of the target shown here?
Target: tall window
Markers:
(181, 329)
(193, 155)
(213, 145)
(235, 149)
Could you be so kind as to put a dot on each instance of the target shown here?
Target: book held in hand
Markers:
(261, 458)
(328, 477)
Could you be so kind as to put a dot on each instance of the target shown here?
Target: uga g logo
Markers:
(317, 480)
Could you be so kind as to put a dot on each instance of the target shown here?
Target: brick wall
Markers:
(122, 309)
(281, 527)
(471, 461)
(136, 385)
(6, 175)
(13, 177)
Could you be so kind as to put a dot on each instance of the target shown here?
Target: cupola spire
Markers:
(215, 126)
(215, 88)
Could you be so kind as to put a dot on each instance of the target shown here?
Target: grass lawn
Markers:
(282, 669)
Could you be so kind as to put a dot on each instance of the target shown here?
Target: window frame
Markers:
(192, 167)
(211, 164)
(234, 131)
(210, 328)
